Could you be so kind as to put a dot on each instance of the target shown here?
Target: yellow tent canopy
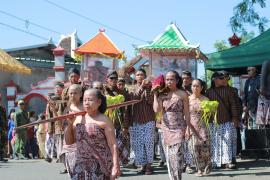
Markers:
(9, 64)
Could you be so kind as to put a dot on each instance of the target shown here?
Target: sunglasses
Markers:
(113, 78)
(99, 88)
(221, 78)
(21, 104)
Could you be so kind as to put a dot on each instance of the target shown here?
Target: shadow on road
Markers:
(234, 174)
(10, 162)
(156, 171)
(244, 169)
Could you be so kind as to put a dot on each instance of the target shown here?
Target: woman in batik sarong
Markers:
(68, 155)
(199, 145)
(175, 107)
(96, 149)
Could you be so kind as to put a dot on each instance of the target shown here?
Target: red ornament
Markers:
(158, 83)
(131, 70)
(234, 40)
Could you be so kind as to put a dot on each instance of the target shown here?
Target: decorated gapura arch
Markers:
(28, 97)
(35, 102)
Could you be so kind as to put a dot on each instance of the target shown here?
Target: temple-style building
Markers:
(48, 62)
(97, 56)
(171, 51)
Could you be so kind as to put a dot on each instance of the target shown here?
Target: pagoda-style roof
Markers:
(100, 44)
(173, 42)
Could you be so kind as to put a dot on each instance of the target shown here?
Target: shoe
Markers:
(49, 160)
(161, 164)
(131, 166)
(64, 171)
(16, 157)
(20, 156)
(230, 166)
(141, 172)
(189, 170)
(28, 157)
(3, 159)
(148, 170)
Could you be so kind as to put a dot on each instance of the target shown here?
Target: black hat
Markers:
(73, 70)
(217, 74)
(60, 84)
(121, 80)
(226, 74)
(112, 73)
(188, 73)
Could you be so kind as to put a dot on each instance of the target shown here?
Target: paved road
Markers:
(41, 170)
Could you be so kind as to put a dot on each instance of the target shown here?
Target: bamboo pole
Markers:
(72, 115)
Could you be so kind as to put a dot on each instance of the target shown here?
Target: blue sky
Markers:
(201, 22)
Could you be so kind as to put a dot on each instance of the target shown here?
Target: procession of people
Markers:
(97, 145)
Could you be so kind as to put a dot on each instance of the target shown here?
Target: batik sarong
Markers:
(49, 146)
(200, 153)
(143, 142)
(123, 147)
(223, 143)
(175, 160)
(263, 111)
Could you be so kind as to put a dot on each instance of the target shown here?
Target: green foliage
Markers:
(114, 114)
(209, 110)
(247, 36)
(221, 45)
(208, 77)
(245, 13)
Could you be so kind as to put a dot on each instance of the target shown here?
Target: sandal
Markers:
(189, 170)
(141, 171)
(230, 166)
(207, 170)
(148, 170)
(64, 171)
(199, 174)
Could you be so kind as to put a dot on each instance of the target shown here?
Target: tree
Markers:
(245, 13)
(221, 45)
(246, 37)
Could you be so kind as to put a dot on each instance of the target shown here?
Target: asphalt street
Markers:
(41, 170)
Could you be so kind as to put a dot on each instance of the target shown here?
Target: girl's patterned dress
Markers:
(174, 128)
(200, 149)
(93, 156)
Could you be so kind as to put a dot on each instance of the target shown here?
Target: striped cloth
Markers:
(229, 103)
(142, 112)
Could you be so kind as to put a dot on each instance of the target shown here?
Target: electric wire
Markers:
(29, 22)
(21, 30)
(94, 21)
